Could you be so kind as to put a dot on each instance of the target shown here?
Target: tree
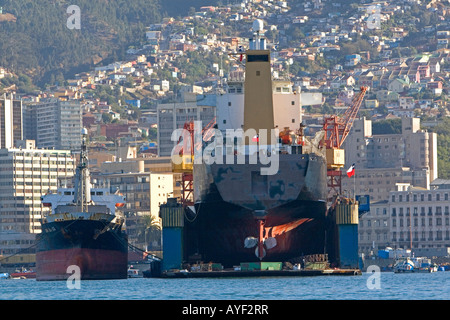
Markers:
(106, 117)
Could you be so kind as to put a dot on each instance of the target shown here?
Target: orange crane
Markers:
(187, 152)
(336, 131)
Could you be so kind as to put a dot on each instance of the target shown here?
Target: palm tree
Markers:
(153, 229)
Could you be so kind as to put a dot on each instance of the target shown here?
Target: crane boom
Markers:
(337, 128)
(336, 131)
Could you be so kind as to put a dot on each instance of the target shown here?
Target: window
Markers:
(258, 73)
(293, 103)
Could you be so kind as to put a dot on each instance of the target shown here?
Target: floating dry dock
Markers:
(257, 269)
(259, 273)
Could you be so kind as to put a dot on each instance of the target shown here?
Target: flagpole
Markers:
(354, 186)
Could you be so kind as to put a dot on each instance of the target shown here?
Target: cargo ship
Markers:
(241, 213)
(82, 232)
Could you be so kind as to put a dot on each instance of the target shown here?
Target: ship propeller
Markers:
(257, 253)
(270, 242)
(267, 236)
(250, 242)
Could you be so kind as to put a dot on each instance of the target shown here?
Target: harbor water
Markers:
(368, 286)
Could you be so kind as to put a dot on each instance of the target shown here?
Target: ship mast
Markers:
(82, 177)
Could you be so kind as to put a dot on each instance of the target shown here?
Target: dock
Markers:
(258, 273)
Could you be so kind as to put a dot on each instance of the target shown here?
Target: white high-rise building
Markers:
(171, 116)
(27, 173)
(54, 124)
(10, 121)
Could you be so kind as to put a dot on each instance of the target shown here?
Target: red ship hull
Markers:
(100, 250)
(94, 264)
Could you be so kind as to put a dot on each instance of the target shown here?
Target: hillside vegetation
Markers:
(36, 41)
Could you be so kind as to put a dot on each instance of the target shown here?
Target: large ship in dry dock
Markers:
(82, 231)
(242, 213)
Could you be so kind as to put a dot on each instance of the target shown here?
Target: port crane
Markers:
(187, 151)
(336, 130)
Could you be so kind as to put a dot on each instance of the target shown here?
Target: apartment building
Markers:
(171, 116)
(412, 217)
(54, 123)
(27, 173)
(10, 121)
(144, 192)
(385, 159)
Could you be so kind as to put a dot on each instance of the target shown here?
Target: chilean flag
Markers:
(256, 138)
(351, 171)
(241, 49)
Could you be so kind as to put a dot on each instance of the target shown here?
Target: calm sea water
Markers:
(388, 286)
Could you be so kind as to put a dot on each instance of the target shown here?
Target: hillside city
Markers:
(399, 50)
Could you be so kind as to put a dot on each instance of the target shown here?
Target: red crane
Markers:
(336, 131)
(187, 151)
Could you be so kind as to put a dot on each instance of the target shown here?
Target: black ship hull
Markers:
(235, 202)
(97, 248)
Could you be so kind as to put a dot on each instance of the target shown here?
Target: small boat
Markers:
(4, 275)
(403, 265)
(133, 273)
(25, 274)
(417, 265)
